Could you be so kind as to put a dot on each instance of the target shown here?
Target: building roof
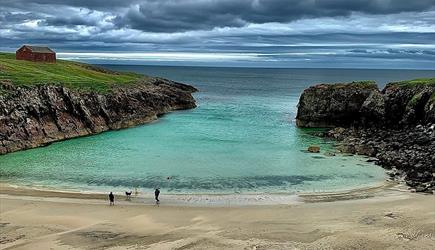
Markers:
(39, 49)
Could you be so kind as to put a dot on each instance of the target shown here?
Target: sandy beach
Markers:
(380, 218)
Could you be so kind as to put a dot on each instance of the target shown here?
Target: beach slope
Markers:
(391, 220)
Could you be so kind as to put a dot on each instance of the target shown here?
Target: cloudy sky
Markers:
(265, 33)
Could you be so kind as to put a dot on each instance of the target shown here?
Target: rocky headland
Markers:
(395, 126)
(36, 115)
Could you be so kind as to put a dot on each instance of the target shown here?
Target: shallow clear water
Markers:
(241, 138)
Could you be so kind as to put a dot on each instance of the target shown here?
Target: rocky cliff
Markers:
(362, 104)
(395, 125)
(37, 115)
(331, 105)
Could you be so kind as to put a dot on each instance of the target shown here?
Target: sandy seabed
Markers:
(386, 217)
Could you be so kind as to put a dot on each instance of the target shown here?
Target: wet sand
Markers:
(379, 218)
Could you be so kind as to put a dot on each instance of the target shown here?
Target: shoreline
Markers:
(418, 140)
(383, 189)
(390, 218)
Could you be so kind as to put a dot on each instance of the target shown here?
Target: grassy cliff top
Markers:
(355, 84)
(415, 82)
(67, 73)
(364, 84)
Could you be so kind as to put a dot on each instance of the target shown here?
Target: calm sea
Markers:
(241, 139)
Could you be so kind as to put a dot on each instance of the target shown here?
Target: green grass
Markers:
(367, 83)
(415, 82)
(432, 98)
(358, 84)
(84, 77)
(416, 98)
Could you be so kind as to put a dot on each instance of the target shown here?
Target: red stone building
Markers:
(35, 54)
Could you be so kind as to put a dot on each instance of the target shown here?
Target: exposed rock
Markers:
(332, 105)
(362, 104)
(34, 116)
(314, 149)
(429, 109)
(396, 126)
(373, 109)
(409, 104)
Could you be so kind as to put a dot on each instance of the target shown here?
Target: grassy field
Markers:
(70, 74)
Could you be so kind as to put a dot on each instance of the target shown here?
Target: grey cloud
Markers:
(91, 4)
(84, 18)
(171, 16)
(188, 15)
(7, 17)
(69, 21)
(188, 26)
(184, 15)
(377, 6)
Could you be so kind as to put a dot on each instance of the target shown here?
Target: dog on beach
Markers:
(128, 194)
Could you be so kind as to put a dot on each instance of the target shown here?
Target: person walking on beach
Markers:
(111, 199)
(156, 194)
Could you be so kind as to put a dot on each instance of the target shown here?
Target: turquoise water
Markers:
(241, 139)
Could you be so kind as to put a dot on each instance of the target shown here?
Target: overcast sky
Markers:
(266, 33)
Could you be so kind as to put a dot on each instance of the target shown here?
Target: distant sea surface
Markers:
(241, 138)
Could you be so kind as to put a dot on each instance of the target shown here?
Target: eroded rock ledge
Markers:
(395, 125)
(37, 115)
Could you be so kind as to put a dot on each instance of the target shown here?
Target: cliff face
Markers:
(330, 105)
(395, 125)
(356, 104)
(409, 105)
(38, 115)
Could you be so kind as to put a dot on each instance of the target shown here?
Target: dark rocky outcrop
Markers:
(407, 154)
(395, 125)
(330, 105)
(362, 104)
(409, 104)
(37, 115)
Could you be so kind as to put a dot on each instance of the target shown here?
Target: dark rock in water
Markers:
(314, 149)
(318, 157)
(38, 115)
(395, 125)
